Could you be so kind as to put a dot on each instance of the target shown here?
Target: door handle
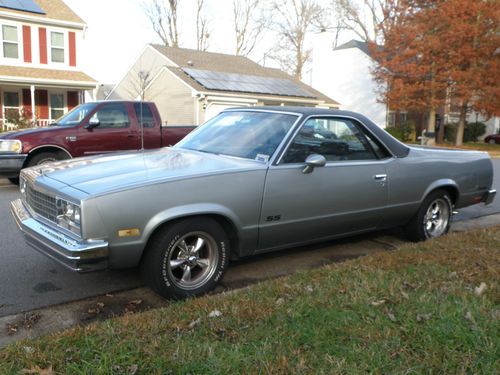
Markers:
(380, 177)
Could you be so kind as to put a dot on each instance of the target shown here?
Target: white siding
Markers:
(345, 75)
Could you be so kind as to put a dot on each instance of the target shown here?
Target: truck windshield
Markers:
(244, 134)
(75, 116)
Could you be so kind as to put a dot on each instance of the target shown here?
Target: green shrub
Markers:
(472, 131)
(405, 132)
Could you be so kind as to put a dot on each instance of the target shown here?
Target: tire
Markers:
(46, 157)
(186, 259)
(491, 141)
(14, 180)
(433, 218)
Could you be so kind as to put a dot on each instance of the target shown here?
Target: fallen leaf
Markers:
(39, 371)
(423, 317)
(309, 289)
(135, 302)
(215, 314)
(194, 323)
(480, 289)
(468, 316)
(453, 275)
(109, 295)
(100, 304)
(405, 295)
(280, 301)
(28, 349)
(132, 370)
(391, 317)
(378, 303)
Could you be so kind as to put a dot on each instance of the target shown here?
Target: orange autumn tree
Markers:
(437, 49)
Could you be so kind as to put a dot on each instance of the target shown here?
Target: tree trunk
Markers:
(431, 127)
(461, 125)
(440, 135)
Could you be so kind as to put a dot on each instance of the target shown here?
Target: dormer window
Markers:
(57, 47)
(10, 42)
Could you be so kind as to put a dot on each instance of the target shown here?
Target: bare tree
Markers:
(139, 84)
(249, 25)
(292, 20)
(202, 31)
(163, 17)
(365, 18)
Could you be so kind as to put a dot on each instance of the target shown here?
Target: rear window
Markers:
(144, 115)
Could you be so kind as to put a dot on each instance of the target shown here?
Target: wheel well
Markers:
(52, 149)
(451, 190)
(224, 222)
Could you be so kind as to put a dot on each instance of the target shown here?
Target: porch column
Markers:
(33, 114)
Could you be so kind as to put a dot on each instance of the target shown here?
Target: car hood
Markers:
(97, 175)
(19, 134)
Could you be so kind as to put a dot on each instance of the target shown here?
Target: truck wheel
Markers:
(186, 259)
(46, 157)
(14, 180)
(433, 218)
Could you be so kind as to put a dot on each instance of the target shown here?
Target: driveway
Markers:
(29, 280)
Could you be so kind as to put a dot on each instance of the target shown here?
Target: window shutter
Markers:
(72, 48)
(42, 103)
(27, 43)
(42, 34)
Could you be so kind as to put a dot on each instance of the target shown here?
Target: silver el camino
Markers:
(248, 181)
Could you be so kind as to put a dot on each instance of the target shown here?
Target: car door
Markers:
(113, 131)
(347, 195)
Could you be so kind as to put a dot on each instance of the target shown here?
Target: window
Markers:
(112, 116)
(57, 47)
(56, 106)
(10, 42)
(143, 110)
(336, 139)
(11, 104)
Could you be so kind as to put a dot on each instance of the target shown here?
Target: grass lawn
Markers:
(419, 309)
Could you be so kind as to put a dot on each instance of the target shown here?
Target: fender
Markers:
(53, 146)
(444, 182)
(190, 210)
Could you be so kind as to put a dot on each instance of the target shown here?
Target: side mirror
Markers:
(93, 122)
(313, 161)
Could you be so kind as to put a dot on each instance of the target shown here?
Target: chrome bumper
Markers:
(80, 256)
(489, 196)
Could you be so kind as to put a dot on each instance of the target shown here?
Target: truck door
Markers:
(109, 129)
(151, 128)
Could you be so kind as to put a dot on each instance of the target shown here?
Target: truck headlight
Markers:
(68, 215)
(11, 145)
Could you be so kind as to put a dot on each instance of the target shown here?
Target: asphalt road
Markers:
(29, 280)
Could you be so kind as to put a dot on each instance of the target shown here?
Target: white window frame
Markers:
(65, 105)
(5, 108)
(64, 49)
(18, 42)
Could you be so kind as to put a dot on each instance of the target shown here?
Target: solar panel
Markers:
(246, 83)
(23, 5)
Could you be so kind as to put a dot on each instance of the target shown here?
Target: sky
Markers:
(118, 30)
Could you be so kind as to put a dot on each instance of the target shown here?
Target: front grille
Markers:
(43, 204)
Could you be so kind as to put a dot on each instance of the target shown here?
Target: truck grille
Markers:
(43, 204)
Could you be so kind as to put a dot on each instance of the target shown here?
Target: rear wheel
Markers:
(14, 180)
(46, 157)
(491, 141)
(433, 219)
(186, 259)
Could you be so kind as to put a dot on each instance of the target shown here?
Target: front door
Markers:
(347, 195)
(114, 131)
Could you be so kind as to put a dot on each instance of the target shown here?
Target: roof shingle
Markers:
(45, 74)
(54, 9)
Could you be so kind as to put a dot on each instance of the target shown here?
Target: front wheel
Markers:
(186, 259)
(433, 218)
(491, 141)
(46, 157)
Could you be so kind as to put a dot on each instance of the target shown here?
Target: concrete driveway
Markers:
(29, 280)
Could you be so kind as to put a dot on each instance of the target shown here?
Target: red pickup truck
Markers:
(89, 129)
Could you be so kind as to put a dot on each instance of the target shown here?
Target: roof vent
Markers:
(190, 63)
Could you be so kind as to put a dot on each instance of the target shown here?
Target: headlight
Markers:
(68, 215)
(11, 145)
(22, 186)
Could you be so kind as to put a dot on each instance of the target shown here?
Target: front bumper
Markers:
(11, 164)
(489, 196)
(80, 256)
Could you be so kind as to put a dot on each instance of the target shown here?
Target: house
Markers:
(39, 74)
(343, 72)
(190, 86)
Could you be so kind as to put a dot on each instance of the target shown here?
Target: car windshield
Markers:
(75, 116)
(244, 134)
